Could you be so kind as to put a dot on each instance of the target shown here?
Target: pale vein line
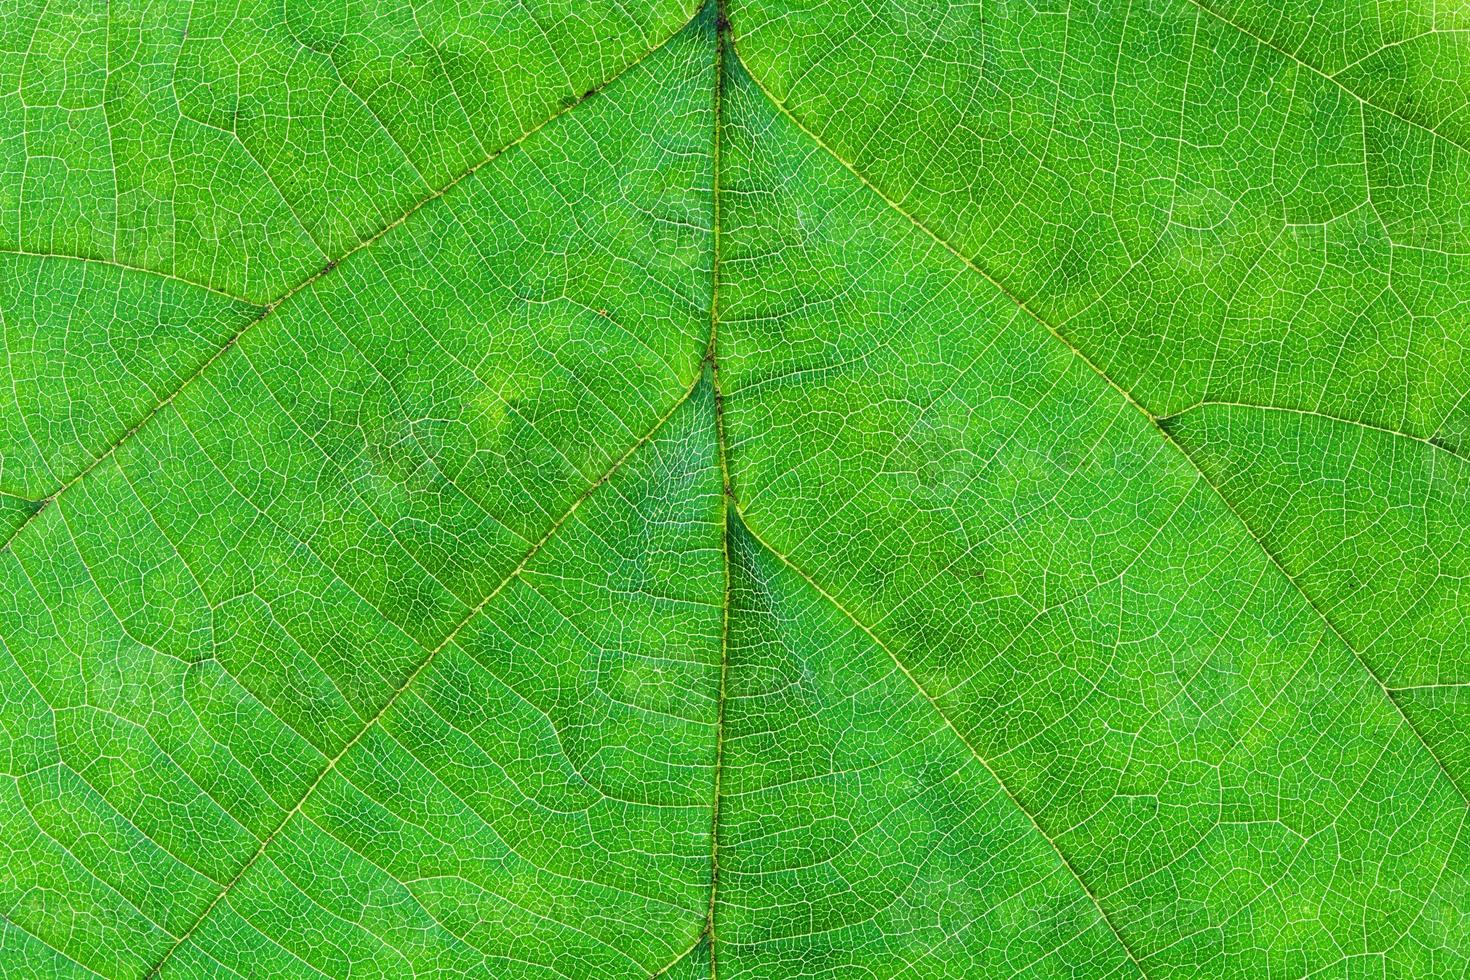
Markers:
(127, 267)
(936, 237)
(1322, 74)
(1322, 614)
(422, 666)
(1444, 686)
(1401, 42)
(1429, 441)
(903, 668)
(276, 303)
(5, 918)
(1128, 396)
(664, 970)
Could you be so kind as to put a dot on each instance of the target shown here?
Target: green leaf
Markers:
(796, 488)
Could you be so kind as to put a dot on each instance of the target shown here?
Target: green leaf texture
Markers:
(797, 488)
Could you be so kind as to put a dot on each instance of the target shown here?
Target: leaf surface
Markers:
(793, 488)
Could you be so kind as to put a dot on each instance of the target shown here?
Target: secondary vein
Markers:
(1153, 419)
(964, 740)
(422, 666)
(269, 308)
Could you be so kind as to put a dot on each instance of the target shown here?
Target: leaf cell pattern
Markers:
(791, 488)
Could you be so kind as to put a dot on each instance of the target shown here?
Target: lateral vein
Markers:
(267, 309)
(964, 740)
(1154, 420)
(422, 666)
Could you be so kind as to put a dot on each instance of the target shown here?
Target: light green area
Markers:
(1207, 216)
(242, 144)
(1374, 527)
(90, 349)
(849, 490)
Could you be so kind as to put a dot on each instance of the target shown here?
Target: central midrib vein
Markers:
(724, 48)
(726, 490)
(710, 364)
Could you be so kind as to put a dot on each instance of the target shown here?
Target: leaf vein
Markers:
(424, 663)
